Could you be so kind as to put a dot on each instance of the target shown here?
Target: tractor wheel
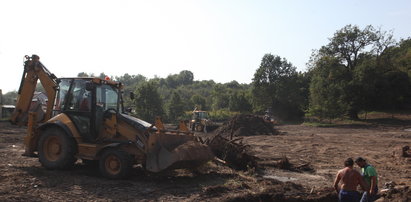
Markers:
(56, 149)
(115, 164)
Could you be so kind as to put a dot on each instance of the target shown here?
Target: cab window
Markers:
(106, 97)
(64, 86)
(80, 98)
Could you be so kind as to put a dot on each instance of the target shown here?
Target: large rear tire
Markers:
(56, 149)
(115, 164)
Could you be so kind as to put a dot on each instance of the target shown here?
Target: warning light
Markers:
(107, 78)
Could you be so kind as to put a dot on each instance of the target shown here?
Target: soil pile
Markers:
(246, 125)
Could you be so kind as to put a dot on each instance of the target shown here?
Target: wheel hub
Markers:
(113, 164)
(52, 148)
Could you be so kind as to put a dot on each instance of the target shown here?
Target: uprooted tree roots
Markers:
(234, 153)
(227, 143)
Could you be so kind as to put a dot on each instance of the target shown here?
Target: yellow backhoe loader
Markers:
(200, 121)
(85, 119)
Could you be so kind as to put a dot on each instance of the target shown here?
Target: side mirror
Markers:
(90, 86)
(131, 95)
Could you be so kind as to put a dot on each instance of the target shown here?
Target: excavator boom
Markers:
(33, 71)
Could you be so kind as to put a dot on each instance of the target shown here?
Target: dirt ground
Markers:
(320, 149)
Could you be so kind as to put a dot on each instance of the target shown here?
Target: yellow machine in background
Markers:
(85, 119)
(200, 121)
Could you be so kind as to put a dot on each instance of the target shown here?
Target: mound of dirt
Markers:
(246, 125)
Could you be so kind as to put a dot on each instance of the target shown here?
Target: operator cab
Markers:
(200, 115)
(87, 101)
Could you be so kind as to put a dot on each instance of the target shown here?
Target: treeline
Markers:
(173, 96)
(358, 70)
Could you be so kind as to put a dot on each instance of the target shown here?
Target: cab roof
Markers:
(97, 80)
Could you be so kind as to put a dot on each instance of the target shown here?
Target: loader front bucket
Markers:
(173, 150)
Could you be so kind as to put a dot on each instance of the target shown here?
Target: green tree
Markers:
(130, 82)
(233, 85)
(199, 102)
(185, 77)
(349, 42)
(393, 90)
(276, 86)
(148, 102)
(327, 89)
(238, 102)
(9, 98)
(358, 51)
(220, 97)
(175, 108)
(171, 81)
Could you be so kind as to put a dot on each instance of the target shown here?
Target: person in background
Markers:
(370, 176)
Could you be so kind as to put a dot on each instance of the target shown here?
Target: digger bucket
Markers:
(175, 150)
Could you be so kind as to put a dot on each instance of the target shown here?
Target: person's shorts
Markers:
(348, 196)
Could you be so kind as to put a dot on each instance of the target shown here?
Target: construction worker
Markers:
(370, 176)
(350, 179)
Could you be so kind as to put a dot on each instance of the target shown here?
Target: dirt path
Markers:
(23, 179)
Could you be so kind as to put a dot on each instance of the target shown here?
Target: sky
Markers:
(220, 40)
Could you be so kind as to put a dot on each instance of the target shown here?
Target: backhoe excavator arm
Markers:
(33, 71)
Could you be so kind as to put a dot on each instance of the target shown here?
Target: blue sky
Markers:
(219, 40)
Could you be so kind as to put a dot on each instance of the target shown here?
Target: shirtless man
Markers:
(349, 179)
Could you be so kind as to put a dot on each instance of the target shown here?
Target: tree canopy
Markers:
(356, 71)
(275, 86)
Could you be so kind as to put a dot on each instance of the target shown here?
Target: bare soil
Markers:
(312, 155)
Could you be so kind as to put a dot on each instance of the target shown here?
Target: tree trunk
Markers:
(353, 114)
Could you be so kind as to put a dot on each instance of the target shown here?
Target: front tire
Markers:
(115, 164)
(56, 149)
